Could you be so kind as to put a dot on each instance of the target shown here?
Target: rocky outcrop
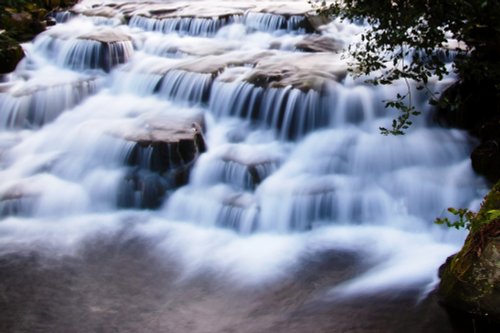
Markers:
(475, 106)
(470, 280)
(160, 159)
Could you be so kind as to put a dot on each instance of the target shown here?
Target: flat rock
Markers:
(217, 63)
(318, 43)
(301, 71)
(107, 36)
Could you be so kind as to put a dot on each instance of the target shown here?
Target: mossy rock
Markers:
(23, 19)
(470, 280)
(10, 53)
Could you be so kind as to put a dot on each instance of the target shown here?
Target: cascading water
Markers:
(237, 155)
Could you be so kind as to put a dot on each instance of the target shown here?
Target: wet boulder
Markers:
(160, 159)
(107, 48)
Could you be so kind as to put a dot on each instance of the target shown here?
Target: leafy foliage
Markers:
(475, 221)
(409, 40)
(465, 218)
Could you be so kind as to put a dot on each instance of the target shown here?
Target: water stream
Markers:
(288, 178)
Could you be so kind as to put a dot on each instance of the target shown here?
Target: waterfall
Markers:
(194, 26)
(205, 128)
(273, 22)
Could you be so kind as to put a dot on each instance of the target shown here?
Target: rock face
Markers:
(10, 53)
(478, 113)
(486, 157)
(470, 280)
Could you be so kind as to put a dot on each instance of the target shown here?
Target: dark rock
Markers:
(486, 160)
(10, 53)
(468, 105)
(475, 107)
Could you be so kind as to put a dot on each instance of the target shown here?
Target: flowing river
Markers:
(210, 166)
